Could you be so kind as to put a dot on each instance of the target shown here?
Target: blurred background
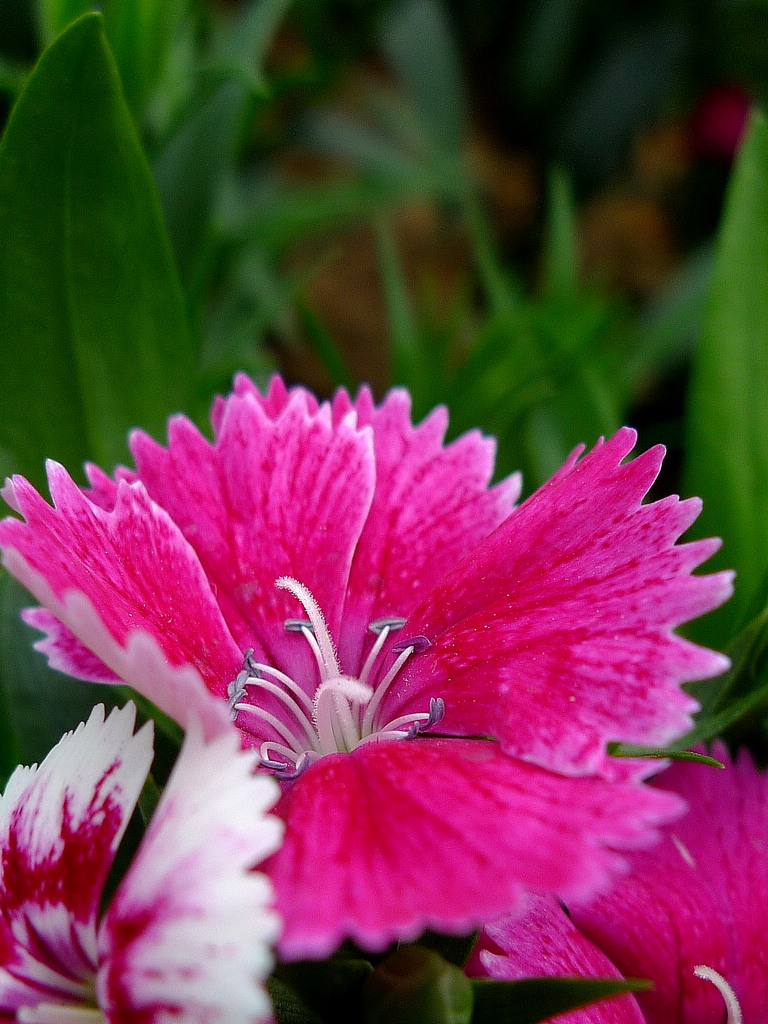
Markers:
(508, 208)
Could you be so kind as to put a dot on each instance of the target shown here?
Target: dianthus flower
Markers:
(431, 672)
(187, 934)
(690, 915)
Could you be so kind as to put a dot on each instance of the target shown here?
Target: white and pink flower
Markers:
(188, 933)
(431, 672)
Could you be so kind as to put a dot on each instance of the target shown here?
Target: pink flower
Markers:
(188, 931)
(372, 613)
(690, 916)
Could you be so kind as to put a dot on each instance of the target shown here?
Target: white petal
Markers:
(189, 930)
(60, 825)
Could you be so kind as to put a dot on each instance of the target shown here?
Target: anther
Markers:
(436, 714)
(298, 626)
(418, 643)
(392, 621)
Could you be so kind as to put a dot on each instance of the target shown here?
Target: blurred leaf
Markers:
(55, 15)
(661, 753)
(243, 44)
(96, 335)
(329, 990)
(326, 348)
(537, 999)
(418, 41)
(288, 1005)
(140, 34)
(405, 349)
(560, 257)
(191, 167)
(41, 705)
(727, 426)
(415, 985)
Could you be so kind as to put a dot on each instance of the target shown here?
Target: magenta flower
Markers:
(187, 935)
(431, 672)
(690, 915)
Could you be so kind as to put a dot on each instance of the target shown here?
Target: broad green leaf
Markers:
(727, 426)
(537, 999)
(415, 985)
(95, 333)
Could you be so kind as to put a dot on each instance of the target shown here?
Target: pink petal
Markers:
(64, 651)
(132, 564)
(397, 837)
(431, 507)
(544, 943)
(555, 634)
(273, 497)
(697, 898)
(60, 825)
(188, 933)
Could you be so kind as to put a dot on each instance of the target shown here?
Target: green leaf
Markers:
(244, 44)
(140, 33)
(560, 255)
(415, 985)
(55, 15)
(727, 426)
(327, 349)
(96, 338)
(662, 753)
(537, 999)
(329, 990)
(418, 41)
(406, 352)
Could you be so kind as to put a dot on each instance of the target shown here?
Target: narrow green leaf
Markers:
(662, 753)
(245, 43)
(418, 41)
(140, 33)
(326, 347)
(96, 338)
(727, 428)
(191, 167)
(403, 337)
(537, 999)
(560, 254)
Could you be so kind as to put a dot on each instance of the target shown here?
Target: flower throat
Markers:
(344, 712)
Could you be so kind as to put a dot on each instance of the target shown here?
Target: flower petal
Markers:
(543, 942)
(401, 836)
(271, 498)
(60, 825)
(132, 563)
(188, 933)
(431, 507)
(64, 651)
(697, 898)
(554, 636)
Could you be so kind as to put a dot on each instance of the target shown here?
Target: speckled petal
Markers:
(542, 942)
(697, 898)
(555, 635)
(397, 837)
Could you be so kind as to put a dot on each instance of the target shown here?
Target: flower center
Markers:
(344, 712)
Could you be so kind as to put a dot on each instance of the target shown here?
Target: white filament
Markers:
(729, 996)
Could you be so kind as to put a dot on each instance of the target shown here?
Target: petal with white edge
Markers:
(60, 825)
(189, 931)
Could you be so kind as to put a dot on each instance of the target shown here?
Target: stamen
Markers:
(276, 724)
(418, 643)
(393, 622)
(729, 996)
(297, 625)
(436, 714)
(381, 689)
(381, 639)
(290, 703)
(322, 636)
(286, 681)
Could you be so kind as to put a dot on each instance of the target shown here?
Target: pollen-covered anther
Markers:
(342, 714)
